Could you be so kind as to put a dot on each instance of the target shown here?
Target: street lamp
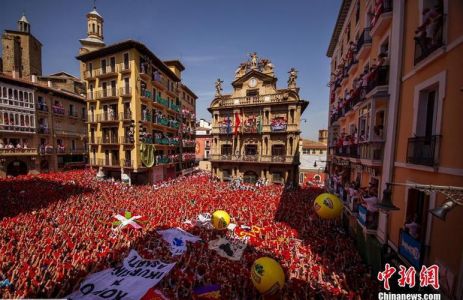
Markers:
(453, 194)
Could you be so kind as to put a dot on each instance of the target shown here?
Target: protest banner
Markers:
(130, 281)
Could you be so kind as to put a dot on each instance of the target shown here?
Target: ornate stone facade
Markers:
(256, 128)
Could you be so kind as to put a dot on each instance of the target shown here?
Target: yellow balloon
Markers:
(328, 206)
(267, 276)
(220, 219)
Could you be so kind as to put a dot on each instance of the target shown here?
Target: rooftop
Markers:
(125, 45)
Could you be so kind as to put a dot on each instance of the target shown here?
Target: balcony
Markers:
(17, 128)
(162, 101)
(364, 44)
(43, 130)
(107, 94)
(73, 114)
(125, 91)
(161, 121)
(44, 150)
(126, 140)
(18, 152)
(107, 140)
(58, 110)
(146, 117)
(92, 118)
(422, 150)
(108, 162)
(378, 84)
(146, 95)
(382, 17)
(188, 143)
(108, 117)
(372, 152)
(424, 46)
(107, 72)
(125, 67)
(367, 219)
(89, 74)
(280, 159)
(91, 96)
(255, 100)
(174, 107)
(41, 107)
(162, 160)
(347, 151)
(125, 116)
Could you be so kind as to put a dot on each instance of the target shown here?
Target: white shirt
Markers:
(371, 203)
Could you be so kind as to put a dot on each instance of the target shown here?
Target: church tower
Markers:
(21, 51)
(94, 39)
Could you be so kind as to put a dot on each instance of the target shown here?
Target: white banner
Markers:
(127, 282)
(204, 220)
(231, 249)
(177, 238)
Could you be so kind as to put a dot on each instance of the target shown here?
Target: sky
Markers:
(210, 37)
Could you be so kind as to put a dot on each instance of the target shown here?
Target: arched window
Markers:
(98, 26)
(15, 94)
(93, 28)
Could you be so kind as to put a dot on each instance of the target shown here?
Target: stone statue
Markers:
(100, 175)
(218, 87)
(253, 60)
(292, 78)
(240, 71)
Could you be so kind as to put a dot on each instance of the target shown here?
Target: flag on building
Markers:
(237, 122)
(228, 124)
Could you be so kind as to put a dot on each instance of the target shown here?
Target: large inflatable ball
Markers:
(220, 219)
(267, 276)
(328, 206)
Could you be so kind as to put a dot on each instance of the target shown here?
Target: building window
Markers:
(422, 147)
(226, 149)
(126, 61)
(416, 214)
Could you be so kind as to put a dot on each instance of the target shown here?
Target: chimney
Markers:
(34, 78)
(49, 83)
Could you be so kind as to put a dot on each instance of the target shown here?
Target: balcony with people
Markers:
(43, 126)
(429, 35)
(109, 114)
(364, 44)
(368, 213)
(14, 147)
(42, 105)
(380, 16)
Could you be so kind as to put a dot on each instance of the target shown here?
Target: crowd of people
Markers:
(57, 228)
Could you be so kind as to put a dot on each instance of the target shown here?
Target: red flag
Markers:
(237, 122)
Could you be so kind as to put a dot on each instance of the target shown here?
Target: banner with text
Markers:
(127, 282)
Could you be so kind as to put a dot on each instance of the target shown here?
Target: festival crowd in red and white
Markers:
(58, 228)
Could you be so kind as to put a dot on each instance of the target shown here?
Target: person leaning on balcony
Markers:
(370, 199)
(412, 227)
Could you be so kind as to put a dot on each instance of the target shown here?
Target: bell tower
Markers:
(94, 39)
